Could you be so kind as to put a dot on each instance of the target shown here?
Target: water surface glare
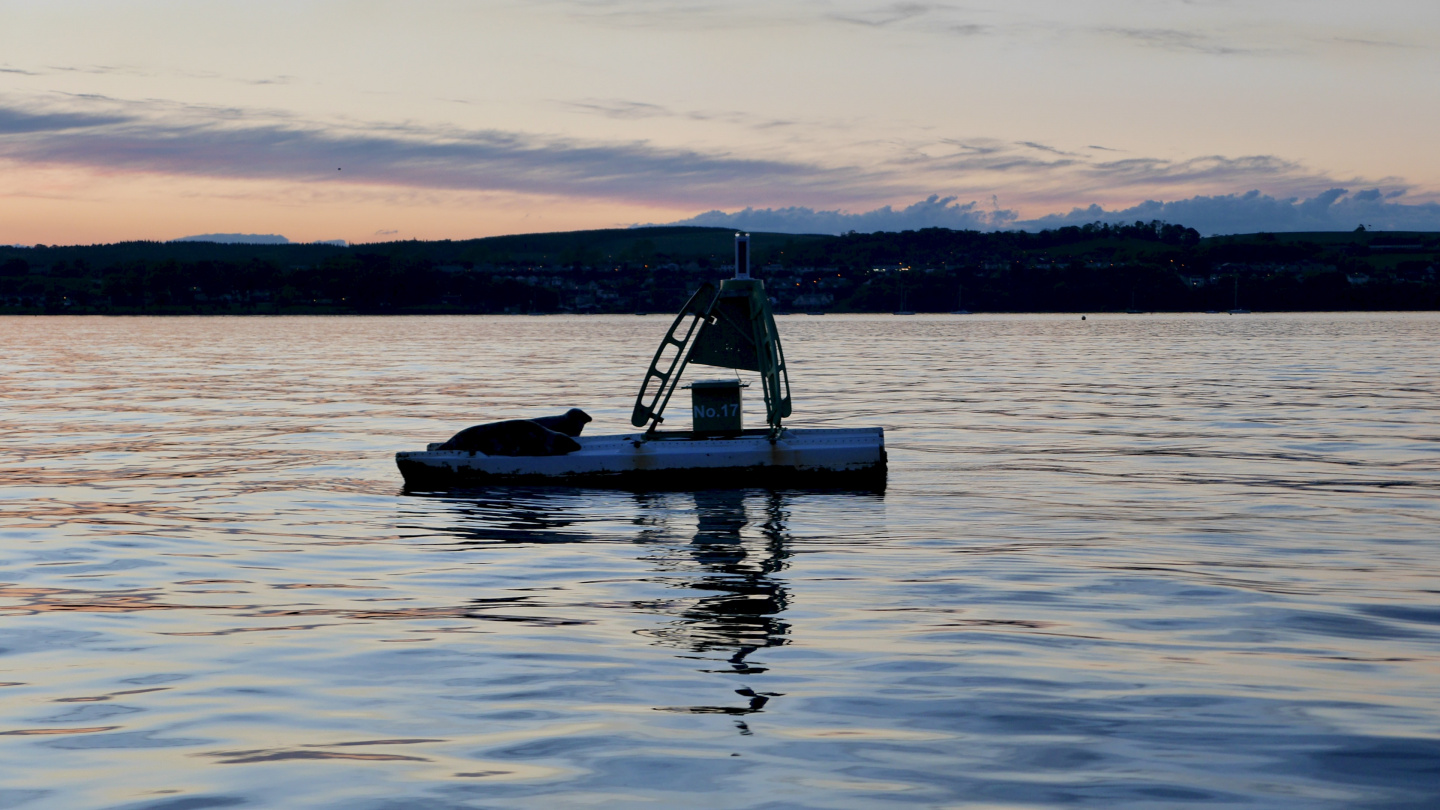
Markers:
(1134, 561)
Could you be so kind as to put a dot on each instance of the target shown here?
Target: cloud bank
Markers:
(1334, 210)
(255, 239)
(237, 238)
(231, 143)
(932, 212)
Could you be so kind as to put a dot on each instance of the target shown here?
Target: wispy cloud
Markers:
(1173, 39)
(888, 15)
(226, 143)
(1043, 148)
(1059, 173)
(149, 73)
(1209, 169)
(988, 155)
(1370, 43)
(968, 29)
(20, 122)
(662, 13)
(1181, 30)
(626, 110)
(677, 15)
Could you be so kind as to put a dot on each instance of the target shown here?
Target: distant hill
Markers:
(1098, 267)
(644, 245)
(237, 239)
(566, 247)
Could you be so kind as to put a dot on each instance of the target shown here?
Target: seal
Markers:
(571, 423)
(513, 437)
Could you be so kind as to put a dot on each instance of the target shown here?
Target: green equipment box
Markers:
(715, 405)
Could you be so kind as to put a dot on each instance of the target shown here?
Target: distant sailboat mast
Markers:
(960, 302)
(904, 293)
(1236, 310)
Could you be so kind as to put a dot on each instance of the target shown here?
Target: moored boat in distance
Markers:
(1132, 310)
(903, 310)
(1237, 309)
(960, 302)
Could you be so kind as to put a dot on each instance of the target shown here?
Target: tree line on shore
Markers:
(1149, 266)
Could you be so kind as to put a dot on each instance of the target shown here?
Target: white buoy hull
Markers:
(799, 457)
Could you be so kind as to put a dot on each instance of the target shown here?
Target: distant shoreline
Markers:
(4, 313)
(1147, 267)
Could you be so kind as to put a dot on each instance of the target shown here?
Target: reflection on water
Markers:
(738, 594)
(1130, 562)
(740, 614)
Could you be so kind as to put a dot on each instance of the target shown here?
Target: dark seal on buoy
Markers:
(571, 423)
(513, 437)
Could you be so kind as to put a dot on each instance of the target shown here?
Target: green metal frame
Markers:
(713, 337)
(697, 309)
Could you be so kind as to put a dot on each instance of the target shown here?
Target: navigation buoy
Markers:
(731, 327)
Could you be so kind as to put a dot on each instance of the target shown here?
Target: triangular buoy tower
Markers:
(731, 327)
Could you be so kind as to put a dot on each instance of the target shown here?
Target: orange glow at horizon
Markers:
(63, 206)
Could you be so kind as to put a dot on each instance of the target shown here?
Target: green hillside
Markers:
(1151, 266)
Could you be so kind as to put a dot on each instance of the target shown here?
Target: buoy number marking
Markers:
(711, 412)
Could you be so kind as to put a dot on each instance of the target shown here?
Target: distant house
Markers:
(1357, 278)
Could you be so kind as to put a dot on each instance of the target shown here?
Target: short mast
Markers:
(742, 255)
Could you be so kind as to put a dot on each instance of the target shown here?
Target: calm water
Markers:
(1135, 561)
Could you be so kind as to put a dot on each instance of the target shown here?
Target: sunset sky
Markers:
(371, 121)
